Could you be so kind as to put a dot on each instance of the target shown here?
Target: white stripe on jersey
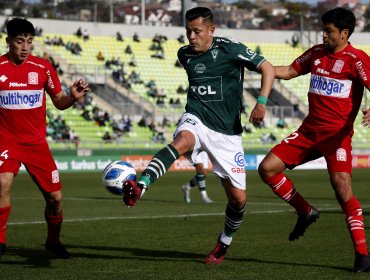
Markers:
(21, 99)
(330, 87)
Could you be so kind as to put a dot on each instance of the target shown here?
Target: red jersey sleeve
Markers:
(302, 64)
(53, 85)
(362, 68)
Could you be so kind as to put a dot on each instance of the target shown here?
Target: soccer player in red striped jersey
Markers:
(24, 82)
(339, 73)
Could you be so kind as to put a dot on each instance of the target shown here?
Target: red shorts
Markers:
(38, 161)
(303, 146)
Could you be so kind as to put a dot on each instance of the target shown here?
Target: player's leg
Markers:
(338, 154)
(161, 161)
(42, 168)
(271, 172)
(354, 218)
(200, 178)
(6, 180)
(233, 219)
(187, 187)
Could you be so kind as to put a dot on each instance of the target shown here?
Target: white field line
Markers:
(164, 216)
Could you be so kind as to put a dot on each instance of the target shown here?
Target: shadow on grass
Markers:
(34, 258)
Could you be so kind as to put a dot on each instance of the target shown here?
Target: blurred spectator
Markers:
(142, 122)
(85, 35)
(181, 39)
(135, 77)
(158, 54)
(136, 38)
(295, 40)
(107, 137)
(100, 56)
(181, 89)
(247, 128)
(260, 124)
(119, 36)
(177, 63)
(166, 122)
(281, 123)
(78, 32)
(128, 49)
(159, 138)
(133, 61)
(258, 49)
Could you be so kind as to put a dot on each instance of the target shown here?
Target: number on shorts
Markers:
(5, 154)
(292, 136)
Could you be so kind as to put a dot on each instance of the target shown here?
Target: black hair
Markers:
(341, 18)
(197, 12)
(19, 26)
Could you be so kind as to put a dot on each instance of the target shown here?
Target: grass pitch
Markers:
(164, 238)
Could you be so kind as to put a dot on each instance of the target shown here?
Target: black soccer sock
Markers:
(158, 165)
(233, 219)
(193, 182)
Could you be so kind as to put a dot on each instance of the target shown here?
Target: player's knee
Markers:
(54, 199)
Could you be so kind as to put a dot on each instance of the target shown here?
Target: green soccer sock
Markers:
(158, 165)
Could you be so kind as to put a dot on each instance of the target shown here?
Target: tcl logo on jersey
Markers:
(202, 90)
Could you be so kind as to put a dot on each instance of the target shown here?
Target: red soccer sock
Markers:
(355, 223)
(54, 227)
(4, 215)
(284, 188)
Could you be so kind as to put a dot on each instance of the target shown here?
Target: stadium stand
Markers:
(167, 77)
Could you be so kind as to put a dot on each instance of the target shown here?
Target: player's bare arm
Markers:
(78, 90)
(285, 72)
(366, 117)
(268, 74)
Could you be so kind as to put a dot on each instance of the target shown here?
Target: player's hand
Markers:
(366, 117)
(131, 193)
(258, 113)
(79, 89)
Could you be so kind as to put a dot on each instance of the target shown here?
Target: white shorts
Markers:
(225, 151)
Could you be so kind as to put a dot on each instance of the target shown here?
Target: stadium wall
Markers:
(172, 32)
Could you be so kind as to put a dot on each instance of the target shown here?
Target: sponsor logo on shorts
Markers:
(238, 170)
(239, 159)
(55, 176)
(341, 154)
(330, 87)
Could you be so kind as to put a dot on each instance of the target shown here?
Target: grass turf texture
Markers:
(164, 238)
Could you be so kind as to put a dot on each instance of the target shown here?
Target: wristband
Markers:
(262, 100)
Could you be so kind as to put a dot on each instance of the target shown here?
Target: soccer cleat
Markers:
(303, 222)
(2, 249)
(131, 193)
(58, 249)
(186, 191)
(218, 253)
(207, 200)
(361, 263)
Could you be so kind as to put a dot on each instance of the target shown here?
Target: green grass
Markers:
(164, 238)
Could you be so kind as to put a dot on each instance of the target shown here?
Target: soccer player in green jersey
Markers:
(211, 123)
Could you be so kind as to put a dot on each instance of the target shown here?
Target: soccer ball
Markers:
(115, 174)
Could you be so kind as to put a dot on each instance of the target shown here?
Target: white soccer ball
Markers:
(115, 174)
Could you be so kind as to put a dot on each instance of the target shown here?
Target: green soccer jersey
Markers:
(215, 77)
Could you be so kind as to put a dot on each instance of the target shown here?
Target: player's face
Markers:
(19, 47)
(199, 34)
(334, 39)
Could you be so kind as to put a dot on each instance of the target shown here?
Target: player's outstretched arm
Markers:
(267, 79)
(285, 72)
(78, 90)
(366, 117)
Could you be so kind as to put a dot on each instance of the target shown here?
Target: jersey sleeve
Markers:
(302, 64)
(362, 68)
(53, 85)
(240, 53)
(181, 55)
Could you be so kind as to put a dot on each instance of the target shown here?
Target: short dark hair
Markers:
(18, 26)
(341, 18)
(197, 12)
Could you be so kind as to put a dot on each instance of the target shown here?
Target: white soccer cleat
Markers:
(186, 191)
